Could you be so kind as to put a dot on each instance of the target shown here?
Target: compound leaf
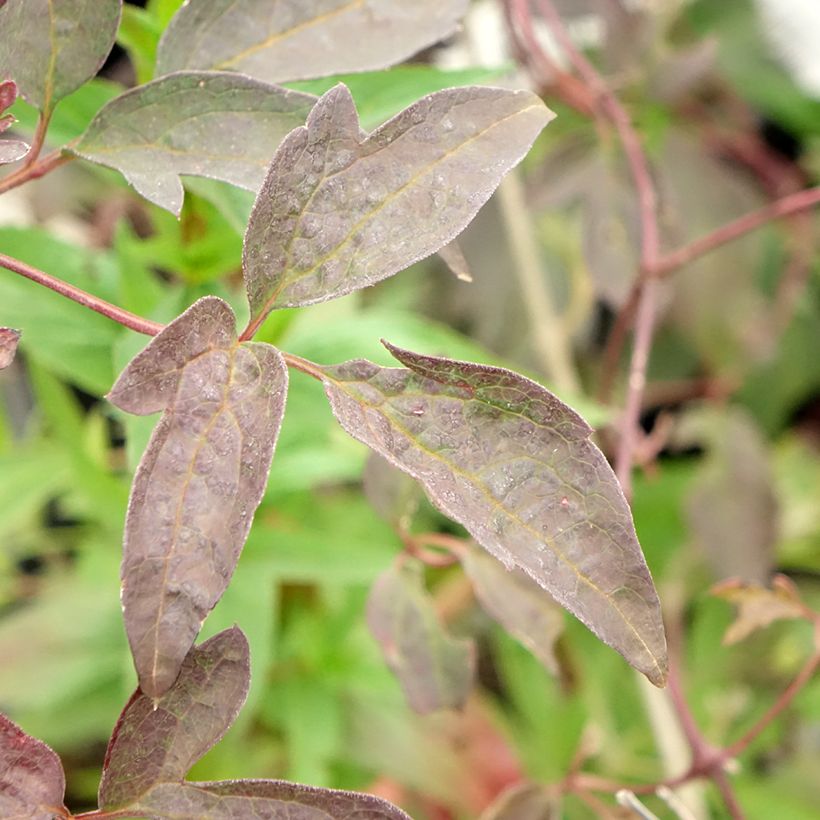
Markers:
(435, 670)
(9, 339)
(51, 47)
(32, 783)
(299, 39)
(341, 210)
(513, 599)
(218, 125)
(199, 481)
(504, 457)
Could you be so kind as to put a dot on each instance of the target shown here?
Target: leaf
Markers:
(51, 48)
(298, 39)
(525, 801)
(435, 670)
(199, 481)
(505, 458)
(218, 125)
(452, 256)
(8, 94)
(393, 494)
(341, 210)
(757, 606)
(513, 599)
(156, 742)
(9, 340)
(32, 783)
(12, 151)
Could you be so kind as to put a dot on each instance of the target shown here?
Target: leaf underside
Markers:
(51, 48)
(217, 125)
(341, 210)
(505, 458)
(199, 481)
(300, 39)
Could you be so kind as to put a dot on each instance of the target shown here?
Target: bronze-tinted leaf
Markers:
(394, 495)
(32, 783)
(435, 670)
(159, 741)
(513, 464)
(51, 47)
(12, 151)
(200, 480)
(218, 125)
(299, 39)
(513, 599)
(757, 606)
(8, 94)
(9, 339)
(341, 210)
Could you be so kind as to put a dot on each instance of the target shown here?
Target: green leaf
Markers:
(218, 125)
(504, 457)
(32, 782)
(139, 35)
(297, 39)
(199, 481)
(435, 670)
(336, 209)
(51, 48)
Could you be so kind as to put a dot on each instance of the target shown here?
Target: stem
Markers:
(48, 163)
(116, 314)
(303, 365)
(38, 141)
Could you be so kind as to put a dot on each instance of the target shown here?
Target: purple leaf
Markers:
(9, 339)
(159, 742)
(504, 457)
(199, 481)
(218, 125)
(300, 39)
(341, 210)
(392, 493)
(513, 599)
(51, 48)
(435, 670)
(32, 783)
(8, 94)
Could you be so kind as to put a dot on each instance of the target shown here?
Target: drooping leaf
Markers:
(218, 125)
(9, 339)
(435, 670)
(200, 480)
(32, 783)
(513, 599)
(336, 209)
(51, 47)
(527, 801)
(757, 606)
(159, 741)
(504, 457)
(298, 39)
(156, 742)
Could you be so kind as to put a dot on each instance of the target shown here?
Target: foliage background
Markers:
(734, 398)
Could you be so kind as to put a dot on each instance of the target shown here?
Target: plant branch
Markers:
(116, 314)
(48, 163)
(37, 142)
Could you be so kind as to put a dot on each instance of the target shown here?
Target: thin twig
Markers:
(37, 142)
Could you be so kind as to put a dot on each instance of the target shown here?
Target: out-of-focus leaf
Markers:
(435, 670)
(139, 35)
(758, 606)
(297, 39)
(51, 48)
(219, 125)
(9, 340)
(525, 802)
(454, 258)
(158, 741)
(394, 495)
(519, 604)
(732, 508)
(32, 783)
(682, 71)
(200, 479)
(504, 457)
(333, 213)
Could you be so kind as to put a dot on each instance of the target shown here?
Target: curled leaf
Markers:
(32, 783)
(505, 458)
(513, 599)
(299, 39)
(51, 48)
(199, 481)
(435, 670)
(9, 339)
(218, 125)
(341, 210)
